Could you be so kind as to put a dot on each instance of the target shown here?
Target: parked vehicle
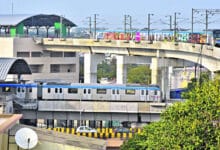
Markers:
(85, 129)
(121, 130)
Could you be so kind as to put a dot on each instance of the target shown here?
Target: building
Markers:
(18, 39)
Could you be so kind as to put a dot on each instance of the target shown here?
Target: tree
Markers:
(193, 124)
(139, 74)
(106, 70)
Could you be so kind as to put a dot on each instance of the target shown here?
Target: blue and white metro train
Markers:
(86, 92)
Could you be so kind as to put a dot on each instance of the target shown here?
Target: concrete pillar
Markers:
(47, 31)
(37, 28)
(212, 75)
(68, 30)
(27, 30)
(170, 72)
(154, 70)
(90, 67)
(48, 123)
(121, 76)
(52, 123)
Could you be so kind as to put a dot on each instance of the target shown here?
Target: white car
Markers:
(85, 129)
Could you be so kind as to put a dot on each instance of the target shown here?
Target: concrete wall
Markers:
(7, 50)
(7, 47)
(42, 145)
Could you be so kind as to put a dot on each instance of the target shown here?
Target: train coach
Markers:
(89, 92)
(112, 92)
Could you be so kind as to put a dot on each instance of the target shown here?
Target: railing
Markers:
(102, 133)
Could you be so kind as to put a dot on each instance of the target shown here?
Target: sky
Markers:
(111, 12)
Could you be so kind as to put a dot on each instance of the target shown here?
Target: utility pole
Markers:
(125, 23)
(206, 22)
(207, 12)
(90, 26)
(175, 26)
(170, 21)
(192, 25)
(130, 23)
(148, 30)
(95, 17)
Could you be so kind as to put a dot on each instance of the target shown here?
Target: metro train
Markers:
(86, 92)
(212, 37)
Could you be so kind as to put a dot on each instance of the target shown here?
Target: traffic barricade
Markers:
(73, 131)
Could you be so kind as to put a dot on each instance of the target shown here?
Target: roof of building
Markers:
(33, 20)
(7, 121)
(13, 66)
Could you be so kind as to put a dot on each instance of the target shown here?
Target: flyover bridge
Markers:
(179, 50)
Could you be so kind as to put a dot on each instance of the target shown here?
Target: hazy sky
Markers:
(111, 12)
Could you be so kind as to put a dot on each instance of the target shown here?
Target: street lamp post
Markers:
(148, 33)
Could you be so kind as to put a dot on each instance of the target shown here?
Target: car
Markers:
(85, 129)
(121, 130)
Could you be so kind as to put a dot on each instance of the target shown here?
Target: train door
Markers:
(58, 93)
(115, 95)
(86, 95)
(40, 91)
(142, 95)
(21, 92)
(147, 95)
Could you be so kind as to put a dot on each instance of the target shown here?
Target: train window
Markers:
(117, 91)
(23, 90)
(142, 92)
(101, 91)
(84, 91)
(113, 91)
(147, 92)
(60, 90)
(155, 92)
(73, 90)
(48, 90)
(6, 89)
(30, 90)
(19, 89)
(130, 92)
(89, 91)
(56, 90)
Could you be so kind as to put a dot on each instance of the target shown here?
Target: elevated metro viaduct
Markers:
(161, 56)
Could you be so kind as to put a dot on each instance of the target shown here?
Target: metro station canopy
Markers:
(13, 66)
(15, 24)
(36, 20)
